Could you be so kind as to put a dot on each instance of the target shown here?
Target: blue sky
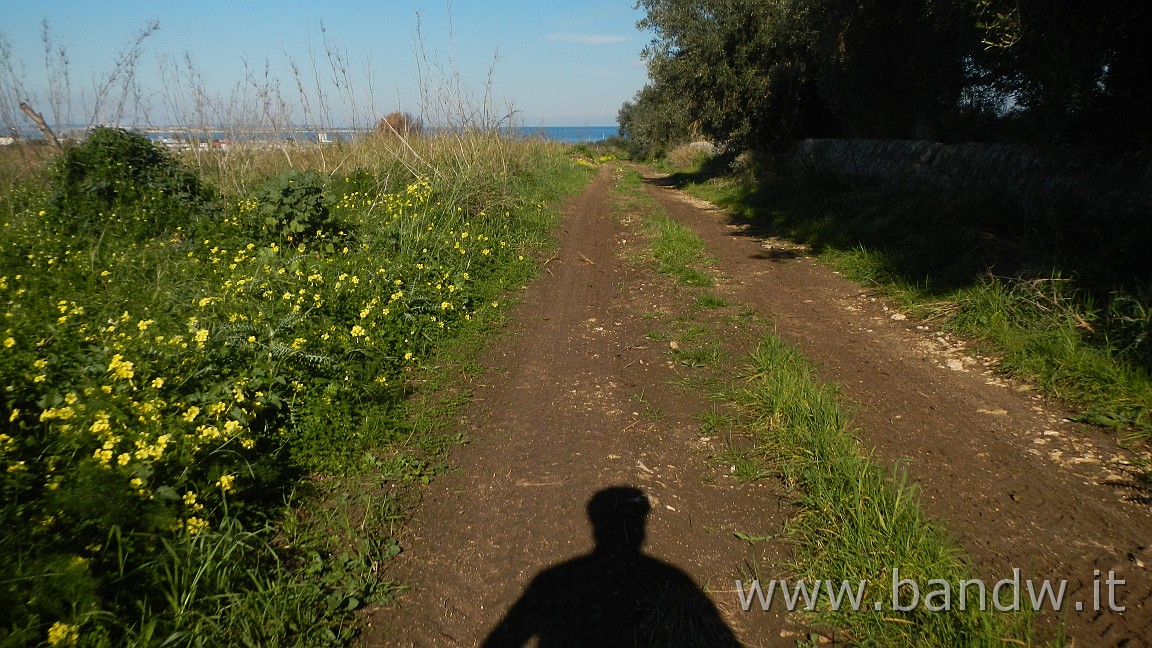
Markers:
(569, 63)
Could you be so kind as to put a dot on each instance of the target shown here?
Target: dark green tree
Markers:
(740, 71)
(756, 74)
(653, 122)
(1076, 73)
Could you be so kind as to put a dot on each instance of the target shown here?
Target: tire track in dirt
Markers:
(552, 423)
(1015, 483)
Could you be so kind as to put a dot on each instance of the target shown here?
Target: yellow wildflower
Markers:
(62, 634)
(101, 423)
(196, 525)
(121, 367)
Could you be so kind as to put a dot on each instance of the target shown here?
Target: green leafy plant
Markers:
(117, 183)
(294, 207)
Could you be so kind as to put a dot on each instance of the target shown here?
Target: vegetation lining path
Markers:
(1016, 483)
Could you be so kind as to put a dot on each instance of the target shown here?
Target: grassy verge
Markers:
(223, 379)
(854, 520)
(857, 522)
(1066, 313)
(675, 249)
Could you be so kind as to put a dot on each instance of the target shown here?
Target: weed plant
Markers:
(178, 354)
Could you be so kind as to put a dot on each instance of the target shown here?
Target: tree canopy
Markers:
(758, 74)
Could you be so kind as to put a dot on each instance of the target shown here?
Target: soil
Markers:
(564, 413)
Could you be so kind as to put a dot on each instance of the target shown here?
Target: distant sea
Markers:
(569, 134)
(565, 134)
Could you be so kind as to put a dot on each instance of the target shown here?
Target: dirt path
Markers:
(556, 421)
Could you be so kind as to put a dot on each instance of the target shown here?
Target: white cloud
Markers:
(588, 39)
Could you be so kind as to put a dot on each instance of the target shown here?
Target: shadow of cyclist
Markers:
(614, 596)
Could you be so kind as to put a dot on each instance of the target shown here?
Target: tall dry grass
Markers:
(271, 123)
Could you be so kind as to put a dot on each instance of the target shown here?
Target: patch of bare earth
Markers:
(503, 547)
(1017, 484)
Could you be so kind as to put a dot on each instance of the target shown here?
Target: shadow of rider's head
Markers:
(618, 516)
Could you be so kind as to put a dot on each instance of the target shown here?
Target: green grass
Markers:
(715, 422)
(711, 301)
(674, 248)
(856, 521)
(701, 356)
(678, 252)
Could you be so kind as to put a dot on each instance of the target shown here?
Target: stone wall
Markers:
(1006, 170)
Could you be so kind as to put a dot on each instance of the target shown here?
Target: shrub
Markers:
(120, 184)
(692, 155)
(293, 207)
(399, 123)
